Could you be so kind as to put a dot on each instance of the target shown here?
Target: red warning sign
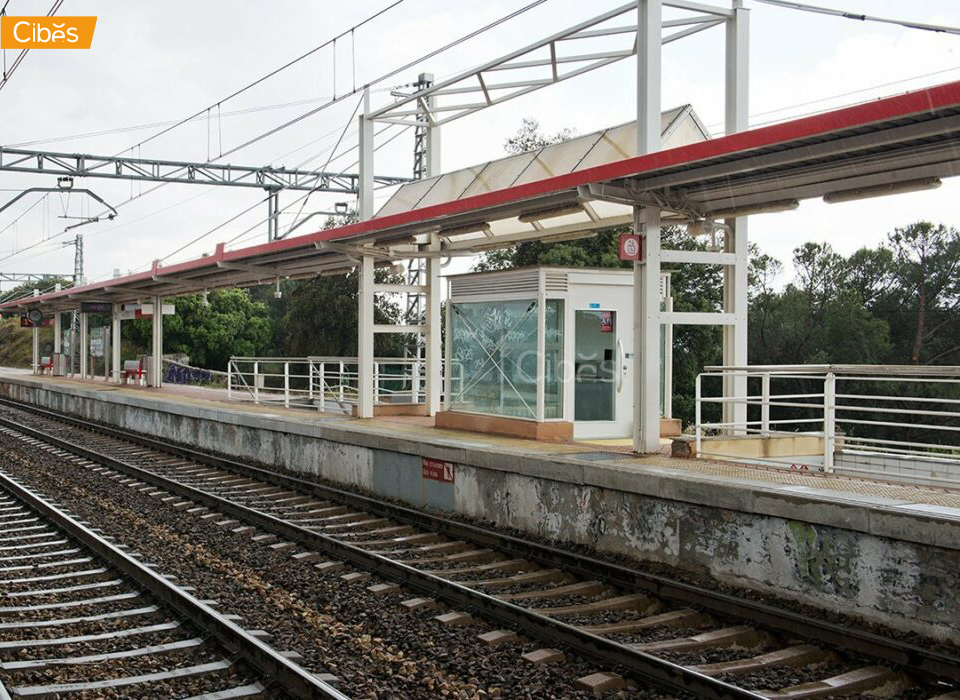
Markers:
(436, 470)
(631, 247)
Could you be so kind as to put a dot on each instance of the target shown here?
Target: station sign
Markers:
(631, 247)
(437, 470)
(96, 307)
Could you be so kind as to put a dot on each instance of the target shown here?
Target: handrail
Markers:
(900, 421)
(325, 382)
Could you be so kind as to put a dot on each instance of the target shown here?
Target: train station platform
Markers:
(887, 553)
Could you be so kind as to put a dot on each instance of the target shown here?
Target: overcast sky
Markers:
(152, 63)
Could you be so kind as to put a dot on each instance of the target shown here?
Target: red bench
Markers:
(46, 363)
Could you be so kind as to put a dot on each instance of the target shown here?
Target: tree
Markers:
(869, 273)
(322, 318)
(320, 315)
(25, 289)
(232, 323)
(927, 261)
(529, 137)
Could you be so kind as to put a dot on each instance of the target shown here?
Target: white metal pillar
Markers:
(735, 339)
(115, 344)
(541, 348)
(668, 358)
(156, 348)
(434, 379)
(646, 274)
(57, 333)
(84, 344)
(365, 383)
(365, 184)
(36, 350)
(57, 329)
(433, 149)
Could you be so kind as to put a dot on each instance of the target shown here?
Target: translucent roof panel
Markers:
(679, 126)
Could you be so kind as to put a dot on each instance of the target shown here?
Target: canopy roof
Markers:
(888, 145)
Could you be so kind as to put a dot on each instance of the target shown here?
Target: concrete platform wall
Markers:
(887, 567)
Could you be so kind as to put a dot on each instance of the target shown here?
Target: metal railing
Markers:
(325, 383)
(894, 419)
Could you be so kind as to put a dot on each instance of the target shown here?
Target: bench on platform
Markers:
(46, 365)
(132, 368)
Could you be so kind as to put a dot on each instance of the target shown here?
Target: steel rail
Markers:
(664, 674)
(855, 641)
(267, 661)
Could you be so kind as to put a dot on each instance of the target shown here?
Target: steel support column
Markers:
(365, 184)
(433, 147)
(115, 344)
(273, 214)
(646, 274)
(84, 345)
(57, 333)
(735, 282)
(541, 349)
(36, 350)
(154, 378)
(365, 383)
(434, 379)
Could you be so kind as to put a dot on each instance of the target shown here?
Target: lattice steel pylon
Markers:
(424, 80)
(417, 267)
(77, 243)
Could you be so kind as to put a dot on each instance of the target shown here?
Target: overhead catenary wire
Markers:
(44, 246)
(351, 93)
(24, 212)
(8, 73)
(846, 14)
(358, 88)
(168, 122)
(238, 238)
(274, 72)
(326, 165)
(828, 98)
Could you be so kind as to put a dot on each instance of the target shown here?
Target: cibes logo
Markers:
(47, 32)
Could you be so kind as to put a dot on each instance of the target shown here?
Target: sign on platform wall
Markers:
(133, 311)
(96, 341)
(606, 322)
(437, 470)
(96, 307)
(631, 247)
(146, 310)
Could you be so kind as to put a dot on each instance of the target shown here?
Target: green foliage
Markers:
(232, 324)
(925, 267)
(321, 318)
(530, 138)
(25, 289)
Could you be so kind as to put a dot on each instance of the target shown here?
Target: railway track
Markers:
(675, 635)
(80, 617)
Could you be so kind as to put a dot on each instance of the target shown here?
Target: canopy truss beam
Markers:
(549, 58)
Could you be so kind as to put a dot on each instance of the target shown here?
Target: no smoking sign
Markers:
(631, 247)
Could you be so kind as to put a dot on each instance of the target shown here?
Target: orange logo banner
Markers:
(46, 32)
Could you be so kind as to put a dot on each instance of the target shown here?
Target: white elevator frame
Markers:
(649, 33)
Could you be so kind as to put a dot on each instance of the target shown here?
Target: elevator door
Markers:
(595, 366)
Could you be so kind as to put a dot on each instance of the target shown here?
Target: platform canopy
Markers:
(896, 144)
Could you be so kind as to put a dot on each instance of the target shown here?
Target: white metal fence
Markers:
(896, 420)
(324, 383)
